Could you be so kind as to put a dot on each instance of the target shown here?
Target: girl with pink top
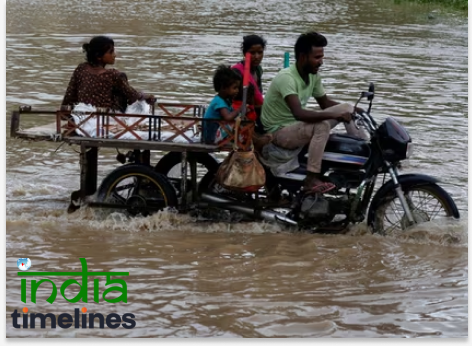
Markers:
(255, 45)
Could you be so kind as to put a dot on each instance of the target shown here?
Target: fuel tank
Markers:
(345, 151)
(342, 151)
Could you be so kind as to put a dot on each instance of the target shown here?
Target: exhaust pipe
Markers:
(225, 203)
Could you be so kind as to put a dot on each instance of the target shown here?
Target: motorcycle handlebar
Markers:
(354, 116)
(365, 118)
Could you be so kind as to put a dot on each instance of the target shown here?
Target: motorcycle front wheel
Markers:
(428, 202)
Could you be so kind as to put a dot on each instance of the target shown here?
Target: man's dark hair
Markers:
(224, 77)
(97, 47)
(306, 42)
(252, 40)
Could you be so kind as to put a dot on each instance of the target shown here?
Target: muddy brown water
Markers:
(254, 279)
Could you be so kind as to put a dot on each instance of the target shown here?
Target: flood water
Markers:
(192, 279)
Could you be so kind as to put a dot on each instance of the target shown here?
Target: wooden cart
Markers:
(139, 134)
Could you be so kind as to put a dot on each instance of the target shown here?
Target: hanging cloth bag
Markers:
(241, 170)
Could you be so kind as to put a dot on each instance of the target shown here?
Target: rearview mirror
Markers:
(371, 92)
(371, 87)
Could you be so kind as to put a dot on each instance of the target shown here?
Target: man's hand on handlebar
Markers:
(344, 117)
(345, 113)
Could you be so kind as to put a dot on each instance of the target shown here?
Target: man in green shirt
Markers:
(284, 112)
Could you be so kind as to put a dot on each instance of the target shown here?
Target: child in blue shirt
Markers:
(226, 83)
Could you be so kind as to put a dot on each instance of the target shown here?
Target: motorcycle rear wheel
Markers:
(427, 203)
(137, 189)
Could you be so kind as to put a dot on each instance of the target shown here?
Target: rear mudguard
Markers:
(173, 158)
(405, 180)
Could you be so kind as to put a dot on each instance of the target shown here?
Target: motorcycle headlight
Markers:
(409, 150)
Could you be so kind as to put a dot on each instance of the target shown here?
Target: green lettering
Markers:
(23, 290)
(81, 295)
(96, 292)
(34, 288)
(83, 287)
(124, 290)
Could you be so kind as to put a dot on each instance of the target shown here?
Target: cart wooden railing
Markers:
(174, 120)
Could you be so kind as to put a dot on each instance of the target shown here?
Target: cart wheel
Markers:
(170, 165)
(137, 187)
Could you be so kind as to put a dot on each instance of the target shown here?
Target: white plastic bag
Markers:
(79, 113)
(139, 107)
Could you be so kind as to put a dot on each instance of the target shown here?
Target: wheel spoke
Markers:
(118, 198)
(137, 186)
(423, 202)
(425, 206)
(397, 208)
(394, 214)
(435, 214)
(393, 227)
(124, 187)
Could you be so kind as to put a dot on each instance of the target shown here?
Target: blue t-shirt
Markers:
(213, 112)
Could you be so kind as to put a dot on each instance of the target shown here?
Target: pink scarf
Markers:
(258, 98)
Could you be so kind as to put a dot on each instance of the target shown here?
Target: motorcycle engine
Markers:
(322, 209)
(314, 207)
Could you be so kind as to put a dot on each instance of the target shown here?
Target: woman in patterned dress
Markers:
(91, 83)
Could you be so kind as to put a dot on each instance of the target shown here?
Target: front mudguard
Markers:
(405, 180)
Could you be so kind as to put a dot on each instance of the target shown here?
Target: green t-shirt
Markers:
(275, 110)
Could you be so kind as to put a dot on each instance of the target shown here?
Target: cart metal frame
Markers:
(174, 117)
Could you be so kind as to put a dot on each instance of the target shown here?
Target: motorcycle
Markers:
(354, 165)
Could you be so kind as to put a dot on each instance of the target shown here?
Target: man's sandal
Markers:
(320, 188)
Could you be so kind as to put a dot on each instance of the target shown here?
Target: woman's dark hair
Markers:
(252, 40)
(224, 77)
(97, 47)
(305, 42)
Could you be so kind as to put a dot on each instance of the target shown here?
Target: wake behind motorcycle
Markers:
(354, 166)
